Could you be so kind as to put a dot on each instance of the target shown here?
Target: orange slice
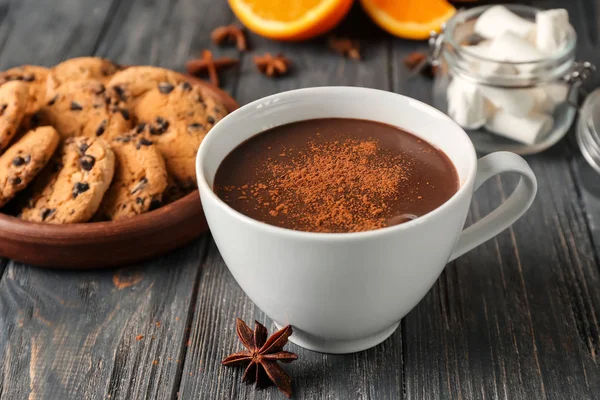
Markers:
(409, 19)
(290, 20)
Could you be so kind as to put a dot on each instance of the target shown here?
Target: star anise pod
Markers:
(230, 34)
(272, 66)
(210, 65)
(418, 62)
(414, 59)
(346, 47)
(262, 356)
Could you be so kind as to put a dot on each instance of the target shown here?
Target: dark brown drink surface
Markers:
(335, 175)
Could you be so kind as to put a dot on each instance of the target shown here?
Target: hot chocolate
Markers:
(335, 175)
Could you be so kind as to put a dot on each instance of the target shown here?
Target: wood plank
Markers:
(117, 334)
(36, 32)
(73, 334)
(518, 316)
(315, 65)
(312, 66)
(166, 34)
(48, 31)
(7, 20)
(374, 374)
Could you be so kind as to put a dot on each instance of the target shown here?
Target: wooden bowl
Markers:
(108, 244)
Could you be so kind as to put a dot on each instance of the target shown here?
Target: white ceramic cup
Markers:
(346, 292)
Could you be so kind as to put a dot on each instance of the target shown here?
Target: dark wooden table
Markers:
(517, 318)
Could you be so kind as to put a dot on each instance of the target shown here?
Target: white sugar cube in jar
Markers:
(508, 76)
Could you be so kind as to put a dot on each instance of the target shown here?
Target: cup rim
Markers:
(207, 191)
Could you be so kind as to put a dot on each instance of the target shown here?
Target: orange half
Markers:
(290, 20)
(409, 19)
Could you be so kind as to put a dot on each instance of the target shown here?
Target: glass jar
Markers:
(588, 130)
(523, 107)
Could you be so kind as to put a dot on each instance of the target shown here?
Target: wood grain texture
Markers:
(314, 64)
(72, 335)
(373, 374)
(517, 317)
(116, 334)
(166, 33)
(48, 31)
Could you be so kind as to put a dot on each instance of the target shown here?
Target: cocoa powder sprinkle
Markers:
(335, 175)
(339, 186)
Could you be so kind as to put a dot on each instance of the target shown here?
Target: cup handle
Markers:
(508, 212)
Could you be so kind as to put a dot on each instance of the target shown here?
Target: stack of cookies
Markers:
(89, 140)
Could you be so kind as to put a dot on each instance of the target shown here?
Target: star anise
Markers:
(210, 65)
(418, 62)
(346, 47)
(414, 59)
(272, 66)
(262, 356)
(230, 34)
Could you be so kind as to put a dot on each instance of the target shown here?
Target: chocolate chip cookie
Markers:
(174, 192)
(80, 69)
(35, 79)
(82, 108)
(24, 160)
(13, 106)
(140, 179)
(71, 187)
(177, 118)
(130, 84)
